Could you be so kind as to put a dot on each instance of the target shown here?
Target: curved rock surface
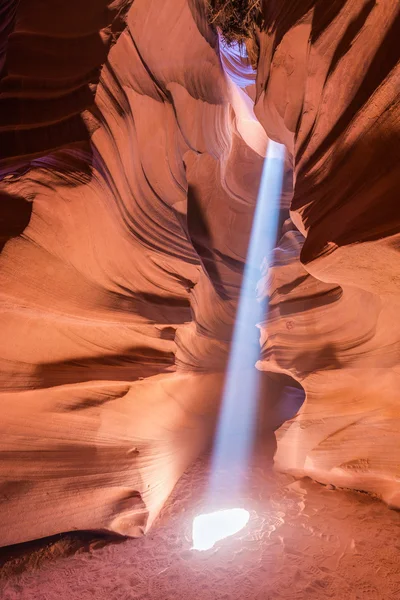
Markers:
(120, 280)
(328, 85)
(130, 165)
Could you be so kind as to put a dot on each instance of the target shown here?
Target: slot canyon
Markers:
(173, 341)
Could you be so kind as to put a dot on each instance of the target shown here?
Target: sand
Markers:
(304, 541)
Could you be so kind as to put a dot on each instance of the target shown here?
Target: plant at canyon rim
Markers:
(236, 19)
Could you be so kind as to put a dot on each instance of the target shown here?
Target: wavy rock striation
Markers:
(121, 274)
(327, 86)
(130, 165)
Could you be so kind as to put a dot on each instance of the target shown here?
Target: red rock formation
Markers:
(327, 86)
(130, 167)
(118, 297)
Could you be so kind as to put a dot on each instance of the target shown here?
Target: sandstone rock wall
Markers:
(130, 165)
(119, 285)
(328, 86)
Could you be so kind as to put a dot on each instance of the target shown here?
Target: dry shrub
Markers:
(236, 19)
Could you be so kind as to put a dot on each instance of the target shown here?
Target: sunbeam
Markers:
(235, 431)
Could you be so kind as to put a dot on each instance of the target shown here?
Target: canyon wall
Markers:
(127, 197)
(328, 85)
(130, 166)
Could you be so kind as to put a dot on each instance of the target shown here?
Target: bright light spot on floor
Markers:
(210, 528)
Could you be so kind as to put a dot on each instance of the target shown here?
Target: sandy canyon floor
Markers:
(303, 541)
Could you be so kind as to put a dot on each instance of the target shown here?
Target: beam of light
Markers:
(235, 431)
(212, 527)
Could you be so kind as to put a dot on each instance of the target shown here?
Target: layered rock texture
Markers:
(124, 243)
(130, 166)
(328, 87)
